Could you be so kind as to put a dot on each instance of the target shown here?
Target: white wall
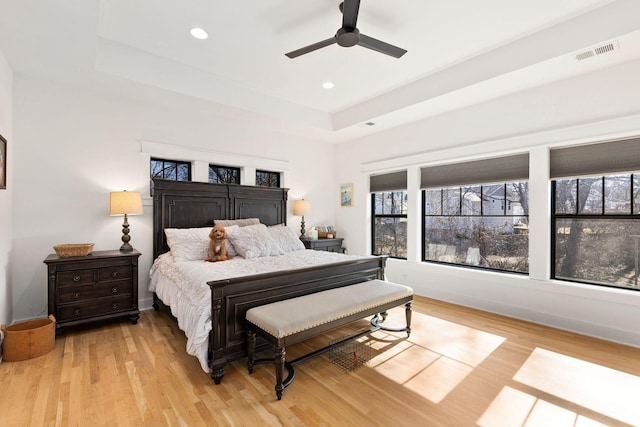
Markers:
(76, 146)
(6, 130)
(592, 107)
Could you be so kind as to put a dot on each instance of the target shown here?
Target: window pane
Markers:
(156, 169)
(493, 199)
(636, 194)
(390, 236)
(378, 203)
(433, 202)
(590, 195)
(224, 175)
(600, 251)
(499, 243)
(566, 196)
(451, 201)
(267, 179)
(617, 194)
(183, 172)
(471, 197)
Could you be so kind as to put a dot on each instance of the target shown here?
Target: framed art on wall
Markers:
(3, 163)
(346, 195)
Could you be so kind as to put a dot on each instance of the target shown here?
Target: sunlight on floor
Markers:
(600, 389)
(447, 354)
(516, 408)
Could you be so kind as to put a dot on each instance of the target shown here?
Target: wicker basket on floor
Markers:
(26, 340)
(73, 249)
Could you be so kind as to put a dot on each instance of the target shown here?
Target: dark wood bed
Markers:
(195, 204)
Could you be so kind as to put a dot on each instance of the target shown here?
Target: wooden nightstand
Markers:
(102, 285)
(330, 245)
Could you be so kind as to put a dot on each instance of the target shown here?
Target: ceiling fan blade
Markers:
(350, 13)
(380, 46)
(311, 48)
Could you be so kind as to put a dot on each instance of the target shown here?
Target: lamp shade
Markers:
(301, 207)
(125, 202)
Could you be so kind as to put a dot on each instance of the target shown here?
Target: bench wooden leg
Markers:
(251, 350)
(279, 362)
(407, 313)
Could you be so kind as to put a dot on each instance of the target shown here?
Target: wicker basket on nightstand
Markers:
(73, 249)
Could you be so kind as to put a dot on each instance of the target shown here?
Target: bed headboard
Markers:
(185, 204)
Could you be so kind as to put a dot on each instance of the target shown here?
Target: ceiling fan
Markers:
(349, 35)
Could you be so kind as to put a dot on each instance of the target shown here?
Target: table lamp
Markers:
(301, 208)
(125, 203)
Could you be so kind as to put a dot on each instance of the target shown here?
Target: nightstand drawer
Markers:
(75, 277)
(70, 294)
(114, 273)
(94, 308)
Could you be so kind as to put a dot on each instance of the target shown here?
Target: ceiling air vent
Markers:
(599, 50)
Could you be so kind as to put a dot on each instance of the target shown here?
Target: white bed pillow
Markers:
(253, 241)
(188, 244)
(286, 238)
(239, 222)
(192, 244)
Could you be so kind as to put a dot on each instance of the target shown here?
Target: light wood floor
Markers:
(460, 367)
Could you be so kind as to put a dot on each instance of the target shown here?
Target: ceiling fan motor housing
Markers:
(347, 37)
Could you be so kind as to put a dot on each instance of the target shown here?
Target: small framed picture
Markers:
(346, 195)
(3, 163)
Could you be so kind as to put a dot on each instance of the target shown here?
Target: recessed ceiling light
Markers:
(199, 33)
(327, 85)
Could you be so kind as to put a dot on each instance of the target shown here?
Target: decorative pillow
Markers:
(253, 241)
(192, 244)
(286, 238)
(188, 244)
(232, 250)
(239, 222)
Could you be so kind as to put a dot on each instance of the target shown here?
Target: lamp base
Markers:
(302, 230)
(126, 246)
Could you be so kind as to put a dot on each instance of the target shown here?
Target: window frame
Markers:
(505, 203)
(374, 216)
(634, 214)
(270, 176)
(232, 169)
(177, 163)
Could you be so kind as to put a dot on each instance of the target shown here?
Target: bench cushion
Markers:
(283, 318)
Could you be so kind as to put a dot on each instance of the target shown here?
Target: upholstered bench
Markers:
(291, 321)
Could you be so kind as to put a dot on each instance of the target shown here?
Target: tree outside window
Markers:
(389, 223)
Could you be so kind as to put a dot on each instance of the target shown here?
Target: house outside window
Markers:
(476, 213)
(224, 174)
(267, 179)
(174, 170)
(389, 214)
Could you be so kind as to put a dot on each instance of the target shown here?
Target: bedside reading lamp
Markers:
(125, 203)
(301, 208)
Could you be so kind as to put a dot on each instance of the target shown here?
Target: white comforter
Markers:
(183, 286)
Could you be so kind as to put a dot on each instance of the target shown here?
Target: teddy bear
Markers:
(218, 244)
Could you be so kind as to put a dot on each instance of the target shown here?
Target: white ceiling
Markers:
(460, 52)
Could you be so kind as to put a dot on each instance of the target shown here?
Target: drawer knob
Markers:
(114, 306)
(114, 289)
(76, 312)
(76, 278)
(76, 295)
(114, 274)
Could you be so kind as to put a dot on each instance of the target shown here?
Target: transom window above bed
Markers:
(174, 170)
(224, 174)
(267, 179)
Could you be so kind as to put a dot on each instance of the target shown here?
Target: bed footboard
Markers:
(231, 298)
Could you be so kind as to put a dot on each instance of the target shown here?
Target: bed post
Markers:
(217, 361)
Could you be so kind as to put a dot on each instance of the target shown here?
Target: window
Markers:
(224, 174)
(476, 213)
(389, 223)
(479, 225)
(389, 214)
(170, 169)
(267, 179)
(596, 226)
(595, 213)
